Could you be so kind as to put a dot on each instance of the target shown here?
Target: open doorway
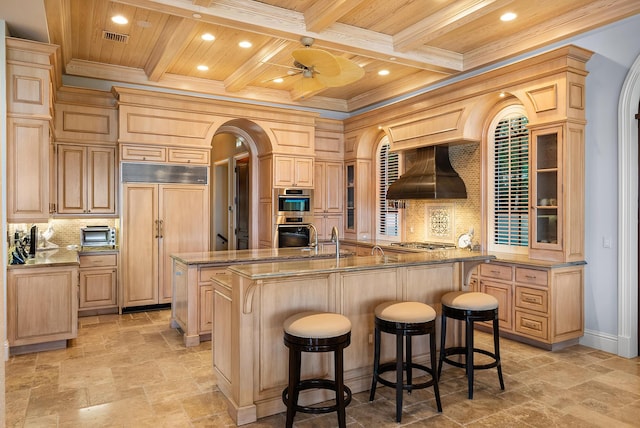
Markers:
(230, 193)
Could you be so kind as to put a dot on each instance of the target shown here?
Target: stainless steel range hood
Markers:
(431, 177)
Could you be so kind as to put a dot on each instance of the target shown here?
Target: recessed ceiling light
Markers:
(278, 80)
(502, 95)
(197, 16)
(203, 68)
(208, 37)
(119, 19)
(383, 72)
(509, 16)
(245, 44)
(392, 58)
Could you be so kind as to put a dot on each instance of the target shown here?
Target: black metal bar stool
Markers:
(404, 319)
(316, 332)
(470, 307)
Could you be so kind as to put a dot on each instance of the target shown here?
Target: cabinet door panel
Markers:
(97, 288)
(101, 194)
(503, 293)
(184, 227)
(333, 187)
(71, 173)
(140, 244)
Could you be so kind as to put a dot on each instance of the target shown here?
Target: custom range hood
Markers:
(431, 177)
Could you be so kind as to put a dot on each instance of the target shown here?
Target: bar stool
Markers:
(404, 319)
(316, 332)
(470, 307)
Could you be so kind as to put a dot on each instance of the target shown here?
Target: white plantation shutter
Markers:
(511, 183)
(389, 172)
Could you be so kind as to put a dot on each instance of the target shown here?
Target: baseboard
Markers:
(601, 341)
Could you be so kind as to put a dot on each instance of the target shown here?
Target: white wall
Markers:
(615, 52)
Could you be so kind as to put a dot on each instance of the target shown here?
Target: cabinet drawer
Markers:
(532, 325)
(200, 157)
(532, 298)
(206, 273)
(532, 276)
(98, 260)
(490, 270)
(155, 154)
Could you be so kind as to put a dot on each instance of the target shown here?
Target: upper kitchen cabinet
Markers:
(292, 171)
(328, 190)
(29, 112)
(86, 138)
(86, 179)
(557, 192)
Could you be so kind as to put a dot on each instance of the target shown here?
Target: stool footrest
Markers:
(318, 384)
(391, 367)
(463, 351)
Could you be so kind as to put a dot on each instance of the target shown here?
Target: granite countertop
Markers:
(248, 256)
(351, 264)
(50, 258)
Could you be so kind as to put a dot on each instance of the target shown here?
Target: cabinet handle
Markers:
(531, 325)
(530, 299)
(161, 229)
(495, 272)
(157, 229)
(530, 276)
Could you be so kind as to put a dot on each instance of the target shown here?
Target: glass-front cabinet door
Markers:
(546, 192)
(350, 224)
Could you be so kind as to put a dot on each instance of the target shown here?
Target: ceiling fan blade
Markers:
(321, 62)
(350, 72)
(306, 87)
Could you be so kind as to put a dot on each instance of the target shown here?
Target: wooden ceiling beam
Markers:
(253, 67)
(253, 16)
(323, 13)
(175, 38)
(203, 3)
(444, 21)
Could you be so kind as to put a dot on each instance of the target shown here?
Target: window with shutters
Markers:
(388, 218)
(508, 182)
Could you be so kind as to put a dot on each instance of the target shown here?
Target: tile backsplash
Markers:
(446, 219)
(65, 231)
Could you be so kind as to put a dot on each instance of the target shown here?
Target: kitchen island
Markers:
(249, 356)
(191, 305)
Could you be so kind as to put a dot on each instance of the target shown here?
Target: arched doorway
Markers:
(628, 178)
(234, 184)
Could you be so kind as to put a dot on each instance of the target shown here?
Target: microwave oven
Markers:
(294, 202)
(98, 236)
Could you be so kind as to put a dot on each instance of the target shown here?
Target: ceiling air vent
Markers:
(115, 37)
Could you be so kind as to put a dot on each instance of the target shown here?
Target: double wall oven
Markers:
(294, 216)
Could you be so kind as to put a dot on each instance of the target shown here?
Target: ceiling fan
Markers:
(320, 69)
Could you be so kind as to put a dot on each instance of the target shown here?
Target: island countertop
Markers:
(324, 265)
(249, 256)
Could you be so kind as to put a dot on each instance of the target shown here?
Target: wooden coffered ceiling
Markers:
(418, 42)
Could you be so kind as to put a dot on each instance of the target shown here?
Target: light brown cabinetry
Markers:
(557, 215)
(541, 305)
(328, 198)
(359, 200)
(86, 179)
(27, 170)
(158, 220)
(98, 281)
(42, 306)
(178, 155)
(292, 171)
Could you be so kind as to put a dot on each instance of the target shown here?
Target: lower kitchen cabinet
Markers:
(325, 222)
(42, 307)
(542, 305)
(98, 282)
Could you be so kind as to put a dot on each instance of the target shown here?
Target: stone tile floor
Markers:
(133, 371)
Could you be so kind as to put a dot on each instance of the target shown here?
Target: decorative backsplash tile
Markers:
(65, 231)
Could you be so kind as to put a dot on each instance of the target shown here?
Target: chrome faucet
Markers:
(378, 248)
(336, 239)
(315, 236)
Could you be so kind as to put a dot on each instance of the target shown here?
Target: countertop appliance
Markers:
(98, 236)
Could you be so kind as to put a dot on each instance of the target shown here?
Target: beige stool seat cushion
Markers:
(405, 312)
(473, 301)
(317, 325)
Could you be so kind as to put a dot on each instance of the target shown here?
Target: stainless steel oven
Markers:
(294, 202)
(293, 231)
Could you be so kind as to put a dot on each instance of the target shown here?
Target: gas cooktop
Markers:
(425, 245)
